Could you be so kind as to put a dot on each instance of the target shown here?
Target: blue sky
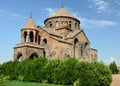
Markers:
(100, 20)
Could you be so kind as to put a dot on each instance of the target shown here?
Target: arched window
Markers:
(56, 24)
(86, 45)
(36, 37)
(45, 41)
(25, 37)
(39, 39)
(70, 24)
(75, 25)
(33, 55)
(81, 52)
(31, 37)
(76, 48)
(75, 42)
(50, 24)
(19, 57)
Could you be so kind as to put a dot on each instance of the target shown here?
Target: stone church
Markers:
(61, 37)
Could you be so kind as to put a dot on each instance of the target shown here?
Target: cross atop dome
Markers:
(30, 15)
(62, 5)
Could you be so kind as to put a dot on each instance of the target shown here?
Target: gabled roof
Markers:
(62, 12)
(30, 24)
(73, 34)
(49, 31)
(93, 49)
(64, 28)
(76, 32)
(61, 40)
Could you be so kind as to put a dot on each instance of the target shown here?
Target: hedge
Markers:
(65, 72)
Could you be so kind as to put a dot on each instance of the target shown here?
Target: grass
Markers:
(17, 83)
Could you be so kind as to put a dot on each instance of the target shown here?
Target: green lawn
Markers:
(17, 83)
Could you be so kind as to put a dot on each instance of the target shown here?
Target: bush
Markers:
(66, 72)
(93, 74)
(6, 78)
(9, 69)
(20, 78)
(76, 83)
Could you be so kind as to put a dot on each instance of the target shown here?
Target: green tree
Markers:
(113, 68)
(1, 77)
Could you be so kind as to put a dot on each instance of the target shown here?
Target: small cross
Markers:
(62, 5)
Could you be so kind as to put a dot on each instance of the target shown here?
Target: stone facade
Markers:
(61, 37)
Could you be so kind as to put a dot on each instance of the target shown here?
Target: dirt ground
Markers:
(116, 80)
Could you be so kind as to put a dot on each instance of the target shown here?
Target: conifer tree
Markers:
(113, 68)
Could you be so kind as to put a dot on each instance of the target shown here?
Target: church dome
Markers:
(62, 12)
(62, 18)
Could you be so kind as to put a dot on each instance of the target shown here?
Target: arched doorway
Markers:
(19, 56)
(34, 55)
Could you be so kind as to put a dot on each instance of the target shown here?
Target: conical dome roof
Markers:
(62, 12)
(30, 24)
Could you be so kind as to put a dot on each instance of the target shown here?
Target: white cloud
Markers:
(50, 10)
(99, 5)
(105, 6)
(110, 60)
(10, 15)
(94, 22)
(101, 23)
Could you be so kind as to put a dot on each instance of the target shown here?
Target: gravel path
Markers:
(116, 80)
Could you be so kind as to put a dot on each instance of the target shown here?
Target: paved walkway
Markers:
(116, 80)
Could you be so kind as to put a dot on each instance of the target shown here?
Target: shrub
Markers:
(6, 78)
(8, 69)
(66, 72)
(20, 78)
(93, 74)
(76, 83)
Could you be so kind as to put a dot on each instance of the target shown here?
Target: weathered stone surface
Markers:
(61, 37)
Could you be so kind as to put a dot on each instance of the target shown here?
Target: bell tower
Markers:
(29, 46)
(29, 33)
